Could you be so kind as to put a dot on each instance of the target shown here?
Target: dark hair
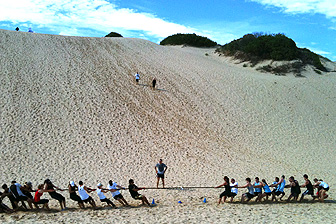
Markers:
(277, 179)
(257, 178)
(47, 181)
(283, 176)
(131, 181)
(110, 182)
(232, 179)
(80, 182)
(264, 181)
(13, 181)
(315, 179)
(248, 179)
(305, 176)
(291, 178)
(4, 186)
(320, 180)
(227, 180)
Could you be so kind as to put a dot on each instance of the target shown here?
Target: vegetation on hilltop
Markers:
(278, 47)
(188, 39)
(113, 34)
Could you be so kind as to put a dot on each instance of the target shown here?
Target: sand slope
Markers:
(70, 110)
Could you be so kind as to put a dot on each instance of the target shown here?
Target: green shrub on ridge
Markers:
(188, 39)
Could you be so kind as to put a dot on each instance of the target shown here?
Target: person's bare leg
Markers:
(123, 199)
(163, 182)
(219, 201)
(282, 195)
(121, 202)
(322, 195)
(242, 199)
(64, 204)
(61, 204)
(24, 205)
(30, 203)
(145, 200)
(157, 182)
(289, 198)
(231, 200)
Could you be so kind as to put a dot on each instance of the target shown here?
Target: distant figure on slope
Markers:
(53, 194)
(102, 197)
(160, 169)
(227, 191)
(137, 77)
(30, 30)
(154, 83)
(113, 187)
(17, 29)
(309, 186)
(133, 189)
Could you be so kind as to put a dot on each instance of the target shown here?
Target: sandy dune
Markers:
(70, 110)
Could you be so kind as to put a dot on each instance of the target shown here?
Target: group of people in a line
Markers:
(17, 193)
(255, 190)
(137, 79)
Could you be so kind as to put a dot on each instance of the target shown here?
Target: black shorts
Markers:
(138, 197)
(137, 80)
(159, 175)
(232, 194)
(118, 196)
(248, 195)
(42, 202)
(326, 189)
(257, 194)
(268, 193)
(87, 200)
(75, 197)
(108, 201)
(225, 194)
(277, 193)
(308, 192)
(57, 196)
(21, 198)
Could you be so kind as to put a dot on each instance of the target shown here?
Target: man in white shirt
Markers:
(234, 189)
(113, 187)
(100, 192)
(160, 169)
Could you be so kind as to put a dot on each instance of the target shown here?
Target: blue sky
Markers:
(310, 23)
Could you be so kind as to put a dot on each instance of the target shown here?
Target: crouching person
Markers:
(133, 189)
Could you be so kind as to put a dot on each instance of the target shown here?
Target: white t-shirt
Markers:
(233, 189)
(114, 186)
(82, 193)
(100, 194)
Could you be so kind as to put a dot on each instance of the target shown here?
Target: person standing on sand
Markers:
(17, 29)
(137, 77)
(53, 194)
(160, 169)
(133, 189)
(309, 186)
(154, 83)
(226, 192)
(113, 187)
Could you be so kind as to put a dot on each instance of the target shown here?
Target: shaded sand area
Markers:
(70, 110)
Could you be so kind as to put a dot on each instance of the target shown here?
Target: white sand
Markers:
(70, 111)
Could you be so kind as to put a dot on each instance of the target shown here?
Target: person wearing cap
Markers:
(73, 196)
(113, 188)
(133, 189)
(160, 169)
(100, 192)
(15, 189)
(48, 185)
